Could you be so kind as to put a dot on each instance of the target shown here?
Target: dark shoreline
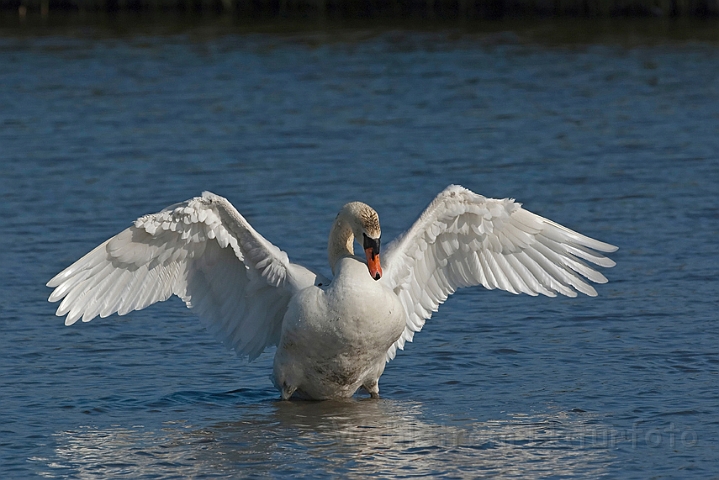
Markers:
(383, 9)
(557, 31)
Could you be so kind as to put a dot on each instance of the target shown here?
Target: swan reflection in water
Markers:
(358, 437)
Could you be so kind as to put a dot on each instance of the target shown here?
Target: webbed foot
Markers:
(372, 388)
(287, 391)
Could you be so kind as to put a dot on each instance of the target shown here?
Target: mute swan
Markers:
(333, 336)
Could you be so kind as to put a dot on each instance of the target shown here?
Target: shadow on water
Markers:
(340, 438)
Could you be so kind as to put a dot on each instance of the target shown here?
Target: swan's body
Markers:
(335, 339)
(332, 337)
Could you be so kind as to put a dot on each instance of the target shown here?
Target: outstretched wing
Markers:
(201, 250)
(464, 239)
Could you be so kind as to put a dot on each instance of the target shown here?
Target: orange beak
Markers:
(375, 269)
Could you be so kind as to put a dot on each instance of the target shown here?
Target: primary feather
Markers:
(464, 239)
(201, 250)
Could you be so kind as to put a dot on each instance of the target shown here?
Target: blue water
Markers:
(620, 142)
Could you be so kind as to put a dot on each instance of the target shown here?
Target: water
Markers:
(619, 141)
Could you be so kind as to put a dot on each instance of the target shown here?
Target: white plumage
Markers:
(251, 296)
(464, 239)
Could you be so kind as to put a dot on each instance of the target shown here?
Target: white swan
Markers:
(332, 336)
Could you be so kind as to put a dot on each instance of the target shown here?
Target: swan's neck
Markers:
(341, 242)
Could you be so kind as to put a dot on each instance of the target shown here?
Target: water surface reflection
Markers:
(359, 437)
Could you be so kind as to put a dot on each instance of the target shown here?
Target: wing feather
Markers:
(201, 250)
(464, 239)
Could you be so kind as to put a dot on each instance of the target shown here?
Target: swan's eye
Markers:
(373, 243)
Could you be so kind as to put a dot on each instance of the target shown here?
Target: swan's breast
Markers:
(339, 335)
(353, 311)
(371, 314)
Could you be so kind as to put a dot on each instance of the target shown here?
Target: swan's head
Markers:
(363, 222)
(371, 250)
